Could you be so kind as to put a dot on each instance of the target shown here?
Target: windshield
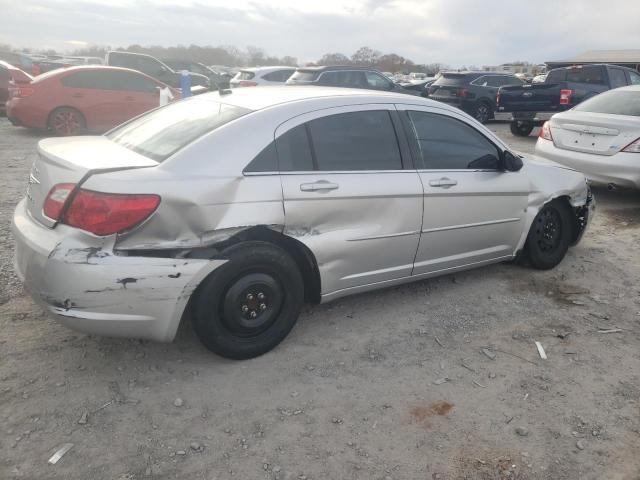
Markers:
(162, 132)
(615, 102)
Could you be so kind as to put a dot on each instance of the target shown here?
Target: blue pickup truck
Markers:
(530, 105)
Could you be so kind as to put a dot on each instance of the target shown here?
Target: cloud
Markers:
(463, 32)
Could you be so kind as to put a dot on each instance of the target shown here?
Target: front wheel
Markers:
(249, 304)
(550, 235)
(521, 128)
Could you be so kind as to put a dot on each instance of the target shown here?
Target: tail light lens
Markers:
(247, 83)
(565, 96)
(99, 213)
(21, 92)
(498, 99)
(462, 92)
(633, 147)
(56, 199)
(545, 132)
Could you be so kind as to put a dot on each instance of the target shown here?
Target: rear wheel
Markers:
(521, 128)
(65, 121)
(550, 235)
(250, 304)
(483, 112)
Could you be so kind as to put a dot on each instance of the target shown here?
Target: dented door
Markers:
(354, 204)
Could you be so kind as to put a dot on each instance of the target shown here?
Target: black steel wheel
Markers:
(248, 305)
(550, 235)
(521, 128)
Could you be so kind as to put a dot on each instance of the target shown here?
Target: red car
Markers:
(74, 100)
(10, 76)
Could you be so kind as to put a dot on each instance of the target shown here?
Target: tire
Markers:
(250, 304)
(550, 235)
(483, 112)
(64, 121)
(521, 128)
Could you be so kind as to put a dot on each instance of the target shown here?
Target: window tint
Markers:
(278, 76)
(513, 81)
(355, 141)
(617, 78)
(616, 102)
(556, 76)
(117, 60)
(634, 78)
(91, 79)
(265, 161)
(377, 82)
(294, 152)
(302, 76)
(450, 144)
(149, 65)
(162, 132)
(344, 78)
(591, 75)
(110, 80)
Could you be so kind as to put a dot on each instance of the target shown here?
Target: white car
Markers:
(600, 137)
(253, 77)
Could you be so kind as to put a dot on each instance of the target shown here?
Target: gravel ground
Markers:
(439, 379)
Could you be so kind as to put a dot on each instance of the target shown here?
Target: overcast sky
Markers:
(455, 32)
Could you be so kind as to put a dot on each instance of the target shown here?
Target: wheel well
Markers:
(300, 253)
(575, 216)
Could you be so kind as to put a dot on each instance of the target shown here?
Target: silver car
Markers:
(234, 209)
(600, 137)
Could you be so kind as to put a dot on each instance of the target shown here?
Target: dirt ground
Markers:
(387, 385)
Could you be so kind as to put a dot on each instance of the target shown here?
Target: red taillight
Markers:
(109, 213)
(247, 83)
(498, 99)
(21, 92)
(565, 96)
(462, 92)
(55, 200)
(633, 147)
(545, 132)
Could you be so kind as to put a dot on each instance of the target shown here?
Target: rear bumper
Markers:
(86, 286)
(621, 169)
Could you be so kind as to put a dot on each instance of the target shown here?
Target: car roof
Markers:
(265, 97)
(78, 68)
(324, 68)
(265, 68)
(574, 67)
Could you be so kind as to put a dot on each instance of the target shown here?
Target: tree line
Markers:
(251, 56)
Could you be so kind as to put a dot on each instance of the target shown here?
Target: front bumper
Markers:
(89, 287)
(621, 169)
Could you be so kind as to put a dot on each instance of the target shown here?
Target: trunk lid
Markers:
(595, 133)
(72, 160)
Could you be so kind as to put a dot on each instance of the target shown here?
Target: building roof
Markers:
(603, 56)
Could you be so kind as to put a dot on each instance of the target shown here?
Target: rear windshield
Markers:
(615, 102)
(245, 75)
(302, 76)
(162, 132)
(455, 79)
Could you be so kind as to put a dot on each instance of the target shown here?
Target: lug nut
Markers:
(263, 306)
(261, 296)
(249, 297)
(253, 314)
(245, 309)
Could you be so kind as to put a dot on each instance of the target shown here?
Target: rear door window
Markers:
(127, 81)
(278, 75)
(634, 78)
(377, 82)
(617, 78)
(290, 152)
(556, 76)
(355, 141)
(302, 76)
(446, 143)
(590, 74)
(89, 79)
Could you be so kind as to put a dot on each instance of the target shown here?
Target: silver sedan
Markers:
(600, 137)
(234, 209)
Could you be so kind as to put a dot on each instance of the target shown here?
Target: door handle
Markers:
(318, 186)
(443, 182)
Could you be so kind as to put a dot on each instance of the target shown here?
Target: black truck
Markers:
(564, 88)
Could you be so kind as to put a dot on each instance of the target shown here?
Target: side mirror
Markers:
(511, 162)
